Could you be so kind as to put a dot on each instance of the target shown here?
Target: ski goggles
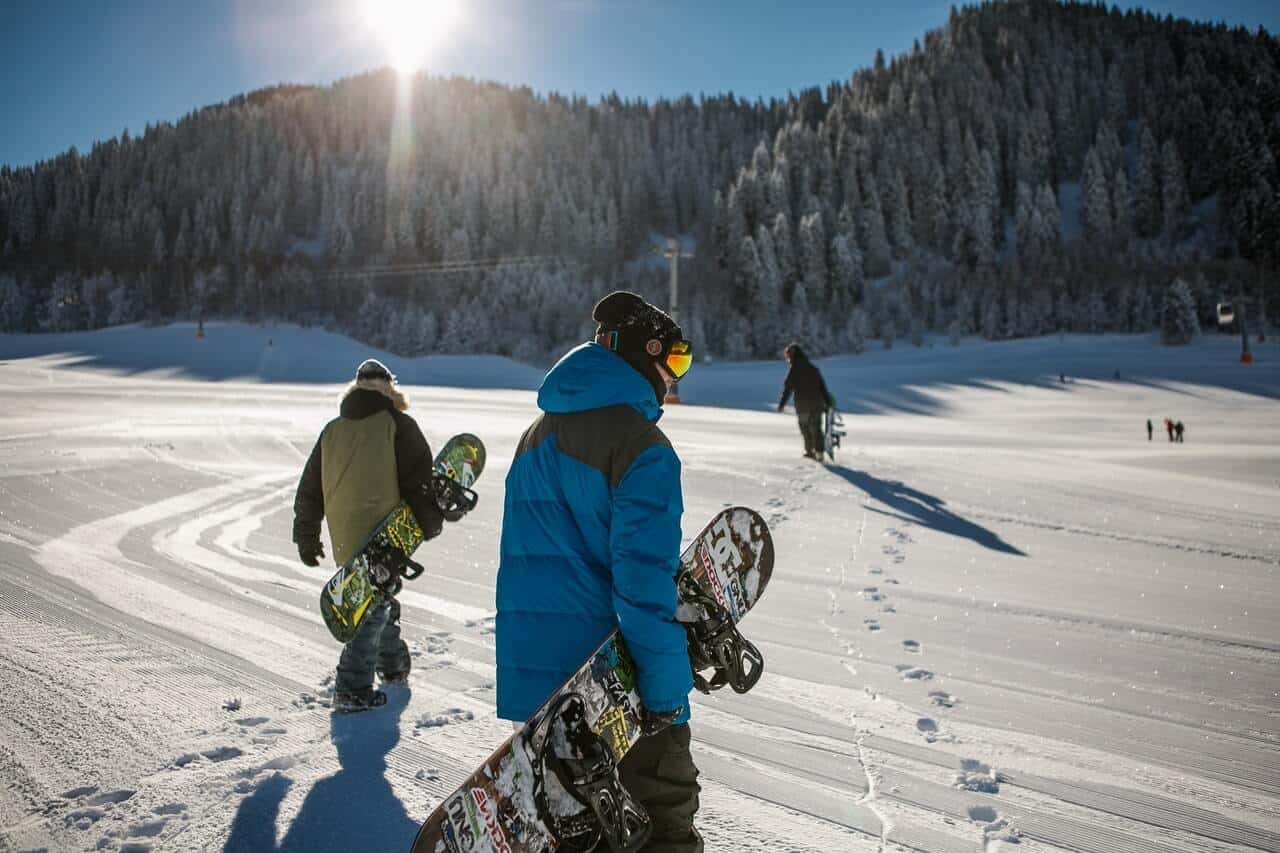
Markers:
(676, 356)
(679, 358)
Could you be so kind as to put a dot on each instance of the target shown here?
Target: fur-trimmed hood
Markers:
(389, 390)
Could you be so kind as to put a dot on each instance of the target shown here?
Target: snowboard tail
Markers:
(554, 785)
(385, 559)
(832, 432)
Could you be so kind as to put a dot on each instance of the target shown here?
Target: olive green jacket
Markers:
(364, 462)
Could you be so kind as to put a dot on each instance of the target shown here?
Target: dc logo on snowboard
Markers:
(720, 558)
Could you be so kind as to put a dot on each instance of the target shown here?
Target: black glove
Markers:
(310, 551)
(652, 722)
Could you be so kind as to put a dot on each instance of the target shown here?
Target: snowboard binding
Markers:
(454, 499)
(716, 644)
(584, 766)
(389, 568)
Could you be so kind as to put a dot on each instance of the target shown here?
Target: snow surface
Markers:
(1002, 617)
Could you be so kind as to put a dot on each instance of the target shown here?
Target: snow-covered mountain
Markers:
(1028, 167)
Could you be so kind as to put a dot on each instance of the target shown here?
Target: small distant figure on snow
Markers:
(1178, 429)
(1062, 377)
(1149, 429)
(812, 398)
(1117, 376)
(1168, 427)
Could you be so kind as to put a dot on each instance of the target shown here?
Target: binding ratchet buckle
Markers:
(584, 766)
(716, 644)
(389, 567)
(454, 499)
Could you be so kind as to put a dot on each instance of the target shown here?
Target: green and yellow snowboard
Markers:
(384, 558)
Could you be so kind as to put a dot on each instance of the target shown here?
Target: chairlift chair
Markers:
(1226, 314)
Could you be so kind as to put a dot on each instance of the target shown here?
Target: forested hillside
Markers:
(1027, 167)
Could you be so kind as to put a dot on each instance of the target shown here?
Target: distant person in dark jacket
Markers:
(365, 461)
(1168, 427)
(1178, 429)
(812, 398)
(1149, 429)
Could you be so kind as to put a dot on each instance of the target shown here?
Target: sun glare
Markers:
(410, 29)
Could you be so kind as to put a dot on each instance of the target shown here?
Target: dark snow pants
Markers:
(377, 643)
(659, 772)
(811, 427)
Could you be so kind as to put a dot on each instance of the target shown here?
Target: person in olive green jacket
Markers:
(364, 462)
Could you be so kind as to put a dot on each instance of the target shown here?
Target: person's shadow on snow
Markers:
(354, 809)
(916, 506)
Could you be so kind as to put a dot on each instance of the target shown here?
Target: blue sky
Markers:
(74, 72)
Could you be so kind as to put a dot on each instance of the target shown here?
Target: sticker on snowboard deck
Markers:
(734, 554)
(832, 432)
(351, 592)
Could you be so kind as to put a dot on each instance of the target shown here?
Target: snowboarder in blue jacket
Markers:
(591, 542)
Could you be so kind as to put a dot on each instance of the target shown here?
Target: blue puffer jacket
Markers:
(591, 538)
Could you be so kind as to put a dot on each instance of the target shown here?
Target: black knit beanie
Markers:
(644, 331)
(371, 368)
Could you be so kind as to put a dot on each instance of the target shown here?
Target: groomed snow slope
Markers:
(1003, 614)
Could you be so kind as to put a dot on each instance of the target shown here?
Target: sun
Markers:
(410, 29)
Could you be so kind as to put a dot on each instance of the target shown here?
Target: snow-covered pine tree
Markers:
(769, 328)
(1121, 208)
(1096, 317)
(992, 316)
(799, 310)
(1143, 310)
(897, 212)
(749, 272)
(784, 249)
(1178, 321)
(813, 259)
(1115, 106)
(857, 331)
(1146, 191)
(1025, 225)
(777, 196)
(1048, 219)
(13, 305)
(1095, 212)
(122, 303)
(872, 236)
(846, 277)
(1175, 201)
(935, 220)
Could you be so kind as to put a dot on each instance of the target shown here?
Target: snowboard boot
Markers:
(354, 701)
(399, 677)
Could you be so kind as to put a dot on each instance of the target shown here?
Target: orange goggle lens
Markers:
(680, 358)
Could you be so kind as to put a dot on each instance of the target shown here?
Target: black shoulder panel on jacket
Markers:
(414, 464)
(308, 501)
(607, 439)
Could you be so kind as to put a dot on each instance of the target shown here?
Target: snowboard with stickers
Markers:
(554, 783)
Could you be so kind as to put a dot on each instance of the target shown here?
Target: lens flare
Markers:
(410, 29)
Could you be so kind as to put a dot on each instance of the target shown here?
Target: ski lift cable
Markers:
(444, 267)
